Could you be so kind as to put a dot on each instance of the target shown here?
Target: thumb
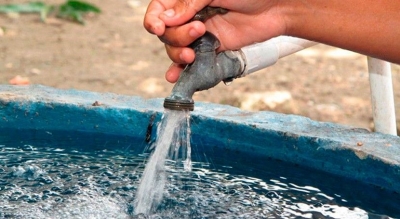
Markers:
(182, 11)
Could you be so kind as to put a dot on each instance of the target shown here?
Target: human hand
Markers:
(247, 22)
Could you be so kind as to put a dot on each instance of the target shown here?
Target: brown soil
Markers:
(113, 53)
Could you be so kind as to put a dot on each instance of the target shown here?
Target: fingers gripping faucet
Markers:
(210, 68)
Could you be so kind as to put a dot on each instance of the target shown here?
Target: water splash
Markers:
(173, 142)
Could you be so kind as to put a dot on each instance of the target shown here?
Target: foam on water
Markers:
(76, 175)
(172, 137)
(46, 183)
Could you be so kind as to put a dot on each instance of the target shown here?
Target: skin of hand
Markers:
(249, 21)
(369, 27)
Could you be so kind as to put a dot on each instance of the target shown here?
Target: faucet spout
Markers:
(208, 69)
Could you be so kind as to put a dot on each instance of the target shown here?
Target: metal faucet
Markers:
(208, 69)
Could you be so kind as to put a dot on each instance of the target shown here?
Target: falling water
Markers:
(173, 142)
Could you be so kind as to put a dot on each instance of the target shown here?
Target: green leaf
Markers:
(74, 10)
(82, 6)
(32, 7)
(71, 9)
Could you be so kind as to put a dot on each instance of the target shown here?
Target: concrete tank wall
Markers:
(342, 150)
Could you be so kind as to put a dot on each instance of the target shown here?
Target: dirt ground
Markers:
(113, 53)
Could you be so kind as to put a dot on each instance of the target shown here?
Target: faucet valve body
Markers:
(208, 69)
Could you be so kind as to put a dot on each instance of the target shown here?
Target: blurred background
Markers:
(113, 53)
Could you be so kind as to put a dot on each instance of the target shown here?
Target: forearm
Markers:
(365, 26)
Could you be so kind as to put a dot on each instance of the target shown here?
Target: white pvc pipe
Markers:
(265, 54)
(382, 100)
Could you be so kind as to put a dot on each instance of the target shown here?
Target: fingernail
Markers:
(169, 12)
(194, 33)
(181, 57)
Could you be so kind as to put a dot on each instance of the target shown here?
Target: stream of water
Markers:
(173, 142)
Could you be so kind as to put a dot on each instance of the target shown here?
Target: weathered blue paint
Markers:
(328, 147)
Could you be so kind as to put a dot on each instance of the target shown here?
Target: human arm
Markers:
(364, 26)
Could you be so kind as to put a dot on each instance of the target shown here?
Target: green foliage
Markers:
(71, 10)
(74, 10)
(20, 8)
(32, 7)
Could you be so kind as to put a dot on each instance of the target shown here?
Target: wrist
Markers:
(293, 14)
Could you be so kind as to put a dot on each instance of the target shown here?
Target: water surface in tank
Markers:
(53, 174)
